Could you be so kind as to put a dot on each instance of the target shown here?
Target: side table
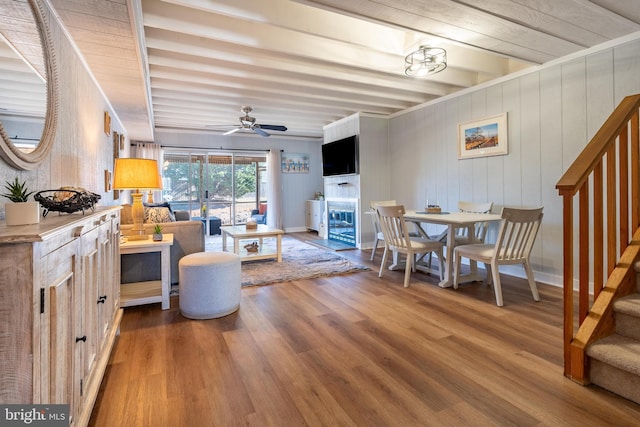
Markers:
(138, 293)
(214, 224)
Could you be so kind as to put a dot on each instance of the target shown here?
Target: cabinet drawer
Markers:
(71, 233)
(62, 238)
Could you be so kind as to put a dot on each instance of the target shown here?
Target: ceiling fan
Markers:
(249, 123)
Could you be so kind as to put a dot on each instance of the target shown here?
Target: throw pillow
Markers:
(158, 205)
(262, 209)
(158, 215)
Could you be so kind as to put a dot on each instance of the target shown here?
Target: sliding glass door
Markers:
(219, 189)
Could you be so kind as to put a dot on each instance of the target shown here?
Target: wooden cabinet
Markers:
(314, 212)
(59, 310)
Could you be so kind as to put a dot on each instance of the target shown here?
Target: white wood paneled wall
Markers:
(81, 151)
(552, 113)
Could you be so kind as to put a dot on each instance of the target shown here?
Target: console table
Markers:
(138, 293)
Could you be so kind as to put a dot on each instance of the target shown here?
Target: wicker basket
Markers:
(75, 201)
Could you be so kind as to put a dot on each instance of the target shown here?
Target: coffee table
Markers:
(240, 232)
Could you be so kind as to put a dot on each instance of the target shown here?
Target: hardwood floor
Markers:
(354, 350)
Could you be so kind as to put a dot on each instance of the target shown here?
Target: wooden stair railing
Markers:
(603, 185)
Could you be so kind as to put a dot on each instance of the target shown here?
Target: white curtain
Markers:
(274, 190)
(150, 150)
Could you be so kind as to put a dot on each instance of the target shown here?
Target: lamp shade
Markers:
(135, 174)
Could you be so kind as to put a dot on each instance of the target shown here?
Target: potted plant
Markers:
(20, 211)
(157, 232)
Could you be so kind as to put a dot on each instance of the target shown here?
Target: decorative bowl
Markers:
(66, 200)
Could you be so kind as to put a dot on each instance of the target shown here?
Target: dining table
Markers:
(453, 221)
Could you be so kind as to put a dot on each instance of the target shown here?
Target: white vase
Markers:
(22, 213)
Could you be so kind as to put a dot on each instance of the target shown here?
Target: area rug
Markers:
(299, 261)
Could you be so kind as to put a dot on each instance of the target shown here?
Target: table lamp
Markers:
(136, 174)
(150, 198)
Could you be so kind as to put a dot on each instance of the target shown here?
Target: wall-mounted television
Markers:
(340, 157)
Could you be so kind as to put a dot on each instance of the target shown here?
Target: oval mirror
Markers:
(28, 94)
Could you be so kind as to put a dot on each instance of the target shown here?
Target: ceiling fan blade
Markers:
(229, 132)
(274, 127)
(260, 131)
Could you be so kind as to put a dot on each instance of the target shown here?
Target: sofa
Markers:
(188, 238)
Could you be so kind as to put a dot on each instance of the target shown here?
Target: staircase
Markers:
(615, 360)
(601, 234)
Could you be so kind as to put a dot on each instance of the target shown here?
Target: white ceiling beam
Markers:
(384, 97)
(220, 101)
(160, 40)
(275, 40)
(458, 23)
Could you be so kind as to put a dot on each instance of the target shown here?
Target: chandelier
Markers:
(426, 60)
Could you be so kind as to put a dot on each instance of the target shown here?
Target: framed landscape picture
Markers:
(483, 137)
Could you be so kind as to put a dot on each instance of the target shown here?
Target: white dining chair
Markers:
(398, 240)
(480, 228)
(378, 235)
(462, 233)
(518, 230)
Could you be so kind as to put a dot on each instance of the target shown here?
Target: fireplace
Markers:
(341, 217)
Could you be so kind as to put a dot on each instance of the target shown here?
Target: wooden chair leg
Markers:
(375, 248)
(407, 269)
(532, 282)
(497, 286)
(383, 262)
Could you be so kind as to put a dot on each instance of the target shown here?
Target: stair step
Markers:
(619, 351)
(615, 365)
(629, 305)
(627, 312)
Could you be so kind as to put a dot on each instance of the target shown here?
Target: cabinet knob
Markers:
(102, 299)
(82, 338)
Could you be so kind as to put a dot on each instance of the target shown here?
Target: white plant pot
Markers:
(22, 213)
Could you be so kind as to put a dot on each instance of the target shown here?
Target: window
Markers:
(228, 186)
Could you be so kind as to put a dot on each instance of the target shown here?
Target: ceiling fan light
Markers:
(247, 121)
(425, 61)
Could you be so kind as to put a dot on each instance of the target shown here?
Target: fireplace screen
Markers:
(342, 222)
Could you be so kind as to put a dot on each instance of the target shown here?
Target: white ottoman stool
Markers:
(210, 284)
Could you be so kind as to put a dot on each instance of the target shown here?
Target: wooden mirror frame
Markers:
(8, 151)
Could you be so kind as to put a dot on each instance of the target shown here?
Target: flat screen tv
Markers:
(340, 157)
